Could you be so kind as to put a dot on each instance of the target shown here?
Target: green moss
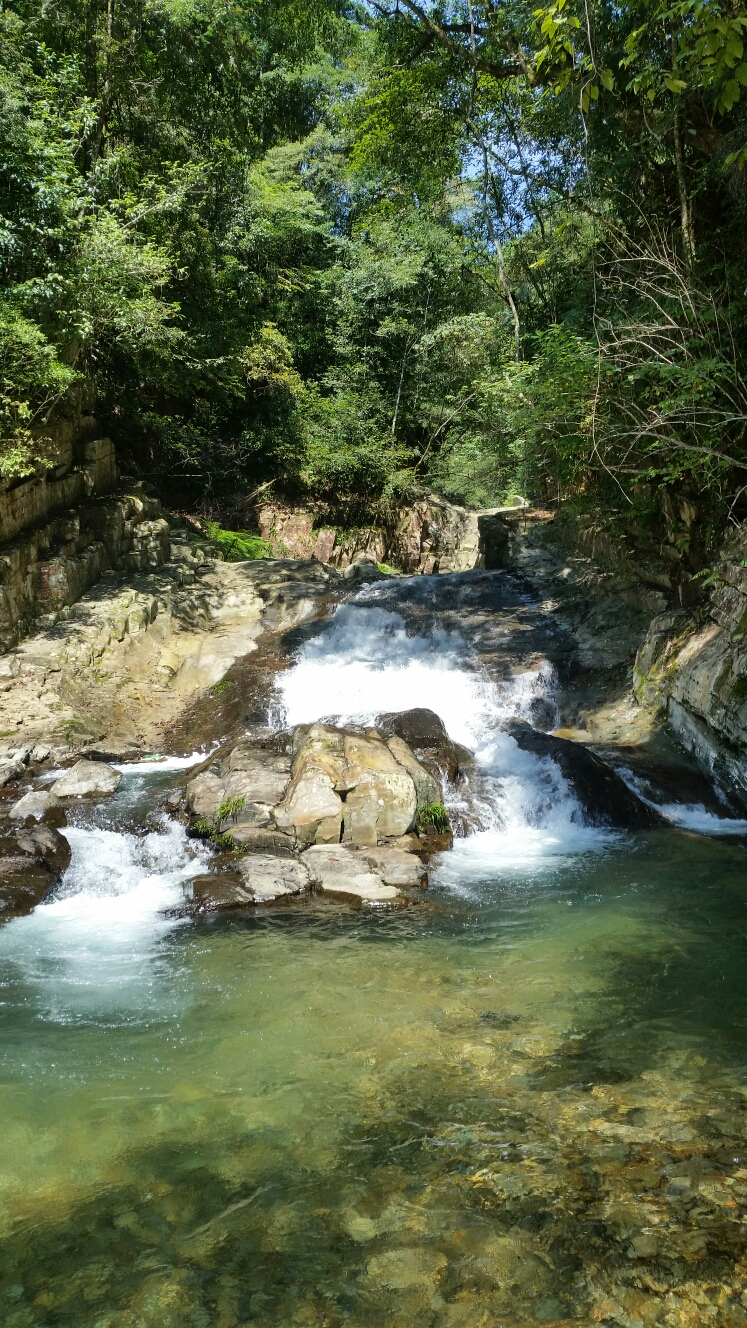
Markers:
(222, 686)
(387, 570)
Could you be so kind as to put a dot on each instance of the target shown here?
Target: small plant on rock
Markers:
(228, 811)
(433, 819)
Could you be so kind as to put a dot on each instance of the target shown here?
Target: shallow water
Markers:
(521, 1101)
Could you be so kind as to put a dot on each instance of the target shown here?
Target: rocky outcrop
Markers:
(604, 797)
(342, 803)
(692, 670)
(31, 861)
(322, 785)
(121, 665)
(46, 569)
(427, 534)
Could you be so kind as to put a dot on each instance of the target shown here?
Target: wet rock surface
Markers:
(39, 807)
(88, 779)
(345, 874)
(31, 862)
(604, 796)
(255, 879)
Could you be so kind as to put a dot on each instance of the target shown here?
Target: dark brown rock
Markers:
(30, 864)
(604, 797)
(495, 541)
(425, 734)
(46, 845)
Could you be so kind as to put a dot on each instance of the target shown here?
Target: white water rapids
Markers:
(101, 928)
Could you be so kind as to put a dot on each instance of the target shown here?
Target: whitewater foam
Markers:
(366, 663)
(93, 941)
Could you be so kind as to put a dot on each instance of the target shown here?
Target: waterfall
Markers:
(366, 662)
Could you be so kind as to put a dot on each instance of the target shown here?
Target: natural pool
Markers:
(521, 1101)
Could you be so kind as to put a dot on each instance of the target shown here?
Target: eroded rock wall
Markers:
(48, 567)
(429, 534)
(692, 668)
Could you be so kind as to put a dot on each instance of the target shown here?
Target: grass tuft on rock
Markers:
(433, 819)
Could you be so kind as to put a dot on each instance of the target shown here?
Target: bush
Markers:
(238, 546)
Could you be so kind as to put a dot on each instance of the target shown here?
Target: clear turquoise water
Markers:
(521, 1100)
(462, 1112)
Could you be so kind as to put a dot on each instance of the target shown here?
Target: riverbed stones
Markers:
(88, 779)
(39, 807)
(344, 874)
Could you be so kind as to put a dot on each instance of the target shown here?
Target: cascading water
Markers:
(366, 662)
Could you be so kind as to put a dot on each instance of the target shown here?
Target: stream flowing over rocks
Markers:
(370, 954)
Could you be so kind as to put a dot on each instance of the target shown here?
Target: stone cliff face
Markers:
(692, 668)
(428, 534)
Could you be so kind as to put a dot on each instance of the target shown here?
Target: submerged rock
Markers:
(39, 807)
(603, 795)
(88, 779)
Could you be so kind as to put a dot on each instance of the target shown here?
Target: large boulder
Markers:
(424, 733)
(345, 874)
(252, 775)
(38, 808)
(30, 863)
(257, 879)
(88, 779)
(326, 786)
(312, 809)
(12, 767)
(604, 797)
(45, 845)
(348, 785)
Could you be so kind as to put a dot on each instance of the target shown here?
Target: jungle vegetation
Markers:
(340, 249)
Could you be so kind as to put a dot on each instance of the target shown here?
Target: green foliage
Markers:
(32, 381)
(238, 545)
(433, 819)
(347, 250)
(228, 811)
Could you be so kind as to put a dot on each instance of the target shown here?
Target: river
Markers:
(520, 1101)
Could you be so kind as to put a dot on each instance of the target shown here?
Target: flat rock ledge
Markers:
(320, 810)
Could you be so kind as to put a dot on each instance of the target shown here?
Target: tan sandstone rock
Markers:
(340, 872)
